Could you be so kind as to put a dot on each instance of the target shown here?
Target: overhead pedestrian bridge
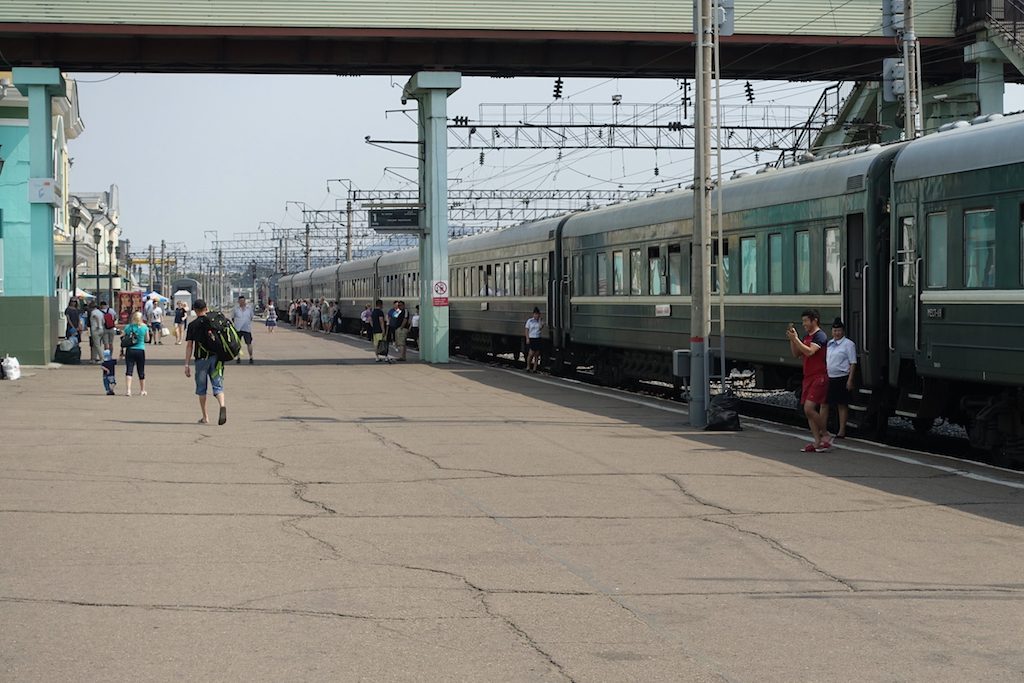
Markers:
(798, 39)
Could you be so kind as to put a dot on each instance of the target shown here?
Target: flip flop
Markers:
(203, 421)
(223, 416)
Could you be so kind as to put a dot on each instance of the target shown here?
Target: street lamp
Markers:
(110, 270)
(97, 237)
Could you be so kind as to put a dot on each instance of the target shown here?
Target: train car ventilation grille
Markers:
(854, 183)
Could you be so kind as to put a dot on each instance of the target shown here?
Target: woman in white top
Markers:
(533, 341)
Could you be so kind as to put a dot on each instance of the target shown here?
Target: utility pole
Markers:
(220, 276)
(163, 267)
(911, 74)
(307, 246)
(152, 269)
(700, 308)
(348, 228)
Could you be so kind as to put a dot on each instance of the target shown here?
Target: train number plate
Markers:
(937, 313)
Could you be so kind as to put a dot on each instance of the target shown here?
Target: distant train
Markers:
(918, 246)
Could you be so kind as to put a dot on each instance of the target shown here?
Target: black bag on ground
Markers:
(72, 356)
(723, 414)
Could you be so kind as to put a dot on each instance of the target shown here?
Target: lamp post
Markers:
(110, 271)
(97, 237)
(348, 204)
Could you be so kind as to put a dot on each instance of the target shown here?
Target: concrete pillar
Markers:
(991, 85)
(431, 90)
(29, 312)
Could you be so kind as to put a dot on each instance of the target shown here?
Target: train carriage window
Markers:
(748, 265)
(655, 276)
(574, 277)
(675, 269)
(602, 273)
(775, 263)
(980, 248)
(1022, 244)
(906, 255)
(527, 279)
(935, 248)
(517, 278)
(636, 271)
(618, 281)
(803, 262)
(833, 262)
(507, 280)
(487, 286)
(588, 283)
(544, 275)
(714, 265)
(538, 281)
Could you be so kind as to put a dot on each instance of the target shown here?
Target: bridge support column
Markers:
(991, 86)
(28, 310)
(431, 90)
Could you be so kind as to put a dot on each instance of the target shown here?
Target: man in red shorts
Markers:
(815, 385)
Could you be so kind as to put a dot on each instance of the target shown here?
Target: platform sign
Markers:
(396, 220)
(439, 292)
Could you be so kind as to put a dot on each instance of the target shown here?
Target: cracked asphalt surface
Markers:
(356, 521)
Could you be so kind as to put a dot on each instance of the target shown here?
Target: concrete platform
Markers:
(357, 521)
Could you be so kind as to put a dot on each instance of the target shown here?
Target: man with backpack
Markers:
(211, 340)
(109, 325)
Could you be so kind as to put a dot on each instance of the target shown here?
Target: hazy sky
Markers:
(197, 153)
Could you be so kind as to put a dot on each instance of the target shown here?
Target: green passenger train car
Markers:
(918, 246)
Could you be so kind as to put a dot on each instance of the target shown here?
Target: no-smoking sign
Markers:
(439, 291)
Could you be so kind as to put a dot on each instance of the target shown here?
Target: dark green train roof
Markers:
(965, 147)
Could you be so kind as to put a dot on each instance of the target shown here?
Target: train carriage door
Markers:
(904, 278)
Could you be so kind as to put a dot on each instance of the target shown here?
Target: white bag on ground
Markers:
(12, 368)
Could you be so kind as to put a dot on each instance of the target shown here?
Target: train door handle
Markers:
(842, 294)
(917, 304)
(864, 307)
(892, 297)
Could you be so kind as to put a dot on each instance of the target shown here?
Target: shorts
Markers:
(208, 372)
(534, 343)
(108, 337)
(271, 323)
(246, 337)
(838, 394)
(814, 389)
(135, 358)
(156, 326)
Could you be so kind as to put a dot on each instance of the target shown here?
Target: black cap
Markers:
(838, 322)
(199, 305)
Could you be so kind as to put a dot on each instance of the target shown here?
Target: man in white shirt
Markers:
(242, 316)
(155, 318)
(841, 360)
(95, 335)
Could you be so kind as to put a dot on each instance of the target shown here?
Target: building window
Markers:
(833, 263)
(675, 269)
(936, 271)
(654, 275)
(775, 263)
(748, 265)
(636, 272)
(980, 248)
(803, 262)
(617, 280)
